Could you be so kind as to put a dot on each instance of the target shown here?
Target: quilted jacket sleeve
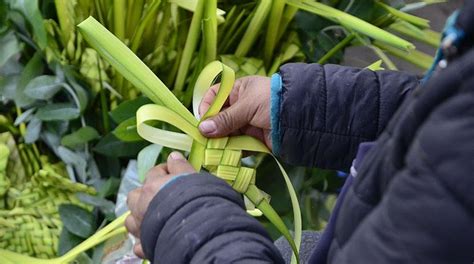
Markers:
(326, 111)
(200, 219)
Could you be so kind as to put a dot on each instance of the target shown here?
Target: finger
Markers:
(132, 226)
(155, 173)
(177, 164)
(132, 199)
(158, 170)
(227, 121)
(207, 99)
(210, 95)
(154, 182)
(138, 249)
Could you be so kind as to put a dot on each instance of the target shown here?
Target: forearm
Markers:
(325, 112)
(201, 219)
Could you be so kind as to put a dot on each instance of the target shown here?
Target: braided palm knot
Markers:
(226, 164)
(220, 156)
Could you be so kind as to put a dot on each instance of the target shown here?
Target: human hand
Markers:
(246, 111)
(139, 199)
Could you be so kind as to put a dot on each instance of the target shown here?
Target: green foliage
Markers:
(127, 130)
(77, 220)
(9, 46)
(33, 130)
(105, 206)
(43, 87)
(31, 13)
(67, 241)
(57, 111)
(82, 136)
(111, 146)
(128, 109)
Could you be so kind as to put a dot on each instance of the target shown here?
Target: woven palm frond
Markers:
(30, 232)
(244, 66)
(29, 219)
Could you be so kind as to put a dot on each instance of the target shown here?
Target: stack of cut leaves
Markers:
(62, 100)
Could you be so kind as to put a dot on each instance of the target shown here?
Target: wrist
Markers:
(174, 178)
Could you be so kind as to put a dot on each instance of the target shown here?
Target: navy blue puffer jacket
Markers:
(412, 197)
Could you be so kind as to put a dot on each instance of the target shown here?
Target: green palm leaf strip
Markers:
(254, 28)
(210, 31)
(142, 78)
(427, 36)
(415, 57)
(287, 16)
(351, 22)
(150, 14)
(271, 36)
(417, 21)
(339, 46)
(190, 46)
(376, 66)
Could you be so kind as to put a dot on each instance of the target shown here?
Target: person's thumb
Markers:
(177, 164)
(225, 122)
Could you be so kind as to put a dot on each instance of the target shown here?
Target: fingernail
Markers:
(208, 126)
(176, 155)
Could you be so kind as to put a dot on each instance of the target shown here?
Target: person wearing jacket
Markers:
(409, 148)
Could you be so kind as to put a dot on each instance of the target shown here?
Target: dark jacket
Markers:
(412, 200)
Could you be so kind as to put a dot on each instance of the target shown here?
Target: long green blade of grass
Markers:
(352, 22)
(135, 8)
(420, 4)
(288, 15)
(190, 46)
(146, 22)
(233, 31)
(210, 31)
(119, 19)
(427, 36)
(272, 29)
(65, 13)
(254, 28)
(415, 57)
(346, 41)
(418, 21)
